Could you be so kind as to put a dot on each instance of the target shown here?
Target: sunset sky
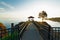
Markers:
(21, 9)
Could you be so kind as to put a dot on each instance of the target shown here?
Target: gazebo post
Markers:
(28, 19)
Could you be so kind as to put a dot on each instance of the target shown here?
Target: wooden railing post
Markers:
(12, 29)
(0, 34)
(12, 25)
(49, 32)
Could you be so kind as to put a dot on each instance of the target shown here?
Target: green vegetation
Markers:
(42, 15)
(11, 36)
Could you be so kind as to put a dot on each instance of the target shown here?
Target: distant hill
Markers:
(56, 19)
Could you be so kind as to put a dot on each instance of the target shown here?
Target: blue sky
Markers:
(17, 3)
(20, 9)
(29, 7)
(11, 2)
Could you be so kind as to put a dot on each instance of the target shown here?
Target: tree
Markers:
(42, 15)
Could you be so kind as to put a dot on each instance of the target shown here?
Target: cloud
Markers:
(2, 9)
(8, 5)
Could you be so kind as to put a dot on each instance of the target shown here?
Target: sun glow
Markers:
(33, 10)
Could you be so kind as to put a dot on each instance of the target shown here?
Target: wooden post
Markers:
(12, 29)
(12, 25)
(0, 34)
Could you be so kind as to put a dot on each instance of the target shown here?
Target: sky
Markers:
(20, 10)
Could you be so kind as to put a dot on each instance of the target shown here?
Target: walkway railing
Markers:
(56, 33)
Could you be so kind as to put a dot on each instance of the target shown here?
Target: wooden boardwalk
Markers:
(31, 33)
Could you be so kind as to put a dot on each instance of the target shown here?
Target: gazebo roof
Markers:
(30, 17)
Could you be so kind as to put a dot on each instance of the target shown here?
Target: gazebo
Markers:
(31, 18)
